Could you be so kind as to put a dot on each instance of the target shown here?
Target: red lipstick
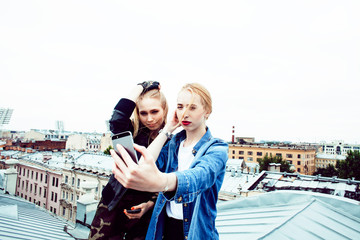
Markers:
(185, 123)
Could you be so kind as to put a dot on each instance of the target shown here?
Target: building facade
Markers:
(39, 184)
(339, 148)
(302, 158)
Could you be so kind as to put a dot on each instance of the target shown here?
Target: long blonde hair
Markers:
(155, 93)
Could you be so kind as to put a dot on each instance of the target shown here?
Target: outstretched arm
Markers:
(144, 176)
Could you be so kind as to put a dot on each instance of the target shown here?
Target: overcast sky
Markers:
(277, 70)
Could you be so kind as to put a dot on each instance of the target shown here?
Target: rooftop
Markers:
(289, 215)
(20, 219)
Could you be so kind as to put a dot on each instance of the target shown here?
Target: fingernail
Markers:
(132, 208)
(124, 211)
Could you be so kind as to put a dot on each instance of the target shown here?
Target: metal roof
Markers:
(289, 215)
(20, 219)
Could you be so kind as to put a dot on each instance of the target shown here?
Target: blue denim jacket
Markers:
(197, 188)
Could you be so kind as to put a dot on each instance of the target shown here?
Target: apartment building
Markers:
(40, 184)
(84, 142)
(339, 148)
(302, 158)
(323, 160)
(84, 167)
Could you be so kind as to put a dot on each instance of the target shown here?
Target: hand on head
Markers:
(149, 85)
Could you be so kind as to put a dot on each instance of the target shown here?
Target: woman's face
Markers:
(195, 115)
(151, 113)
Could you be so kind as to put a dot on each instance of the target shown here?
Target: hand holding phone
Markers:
(137, 210)
(126, 140)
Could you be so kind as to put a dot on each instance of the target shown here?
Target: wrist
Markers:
(167, 133)
(166, 186)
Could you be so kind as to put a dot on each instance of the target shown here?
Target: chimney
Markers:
(86, 205)
(11, 176)
(233, 135)
(274, 167)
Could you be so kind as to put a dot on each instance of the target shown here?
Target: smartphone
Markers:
(137, 210)
(126, 140)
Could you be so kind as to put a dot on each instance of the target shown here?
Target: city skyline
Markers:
(280, 70)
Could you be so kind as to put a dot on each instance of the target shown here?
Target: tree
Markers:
(107, 151)
(264, 163)
(329, 171)
(350, 167)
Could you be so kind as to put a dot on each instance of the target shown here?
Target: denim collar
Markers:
(182, 136)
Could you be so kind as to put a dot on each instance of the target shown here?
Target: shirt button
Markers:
(185, 220)
(179, 199)
(185, 205)
(185, 237)
(193, 151)
(163, 200)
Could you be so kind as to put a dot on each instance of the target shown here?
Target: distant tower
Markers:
(5, 115)
(233, 135)
(107, 122)
(60, 126)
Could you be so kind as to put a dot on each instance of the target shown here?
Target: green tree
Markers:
(329, 171)
(350, 167)
(264, 163)
(107, 151)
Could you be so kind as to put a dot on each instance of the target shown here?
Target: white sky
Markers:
(277, 70)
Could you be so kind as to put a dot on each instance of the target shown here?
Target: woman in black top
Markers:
(111, 220)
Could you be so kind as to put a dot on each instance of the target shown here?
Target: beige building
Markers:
(323, 160)
(302, 158)
(89, 168)
(84, 142)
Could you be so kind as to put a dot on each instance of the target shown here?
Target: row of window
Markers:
(72, 181)
(30, 187)
(31, 174)
(288, 155)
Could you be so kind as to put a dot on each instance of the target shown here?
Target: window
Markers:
(73, 181)
(52, 196)
(32, 174)
(22, 185)
(289, 155)
(41, 176)
(72, 197)
(39, 190)
(298, 169)
(250, 159)
(78, 183)
(233, 151)
(258, 159)
(241, 152)
(67, 195)
(55, 197)
(53, 181)
(36, 176)
(51, 209)
(64, 211)
(63, 194)
(24, 172)
(30, 187)
(259, 154)
(44, 192)
(19, 171)
(57, 182)
(278, 155)
(298, 162)
(29, 199)
(299, 155)
(289, 161)
(35, 189)
(28, 173)
(46, 178)
(19, 182)
(70, 213)
(66, 179)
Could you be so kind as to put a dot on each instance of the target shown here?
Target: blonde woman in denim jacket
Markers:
(188, 173)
